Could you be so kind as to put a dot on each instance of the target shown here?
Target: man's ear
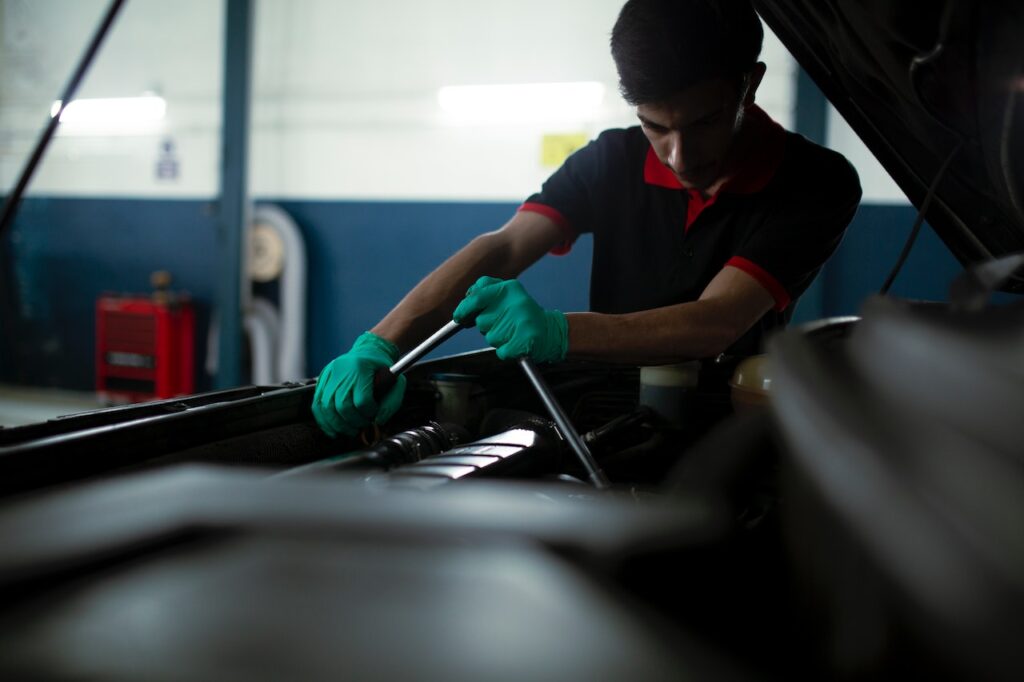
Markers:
(753, 83)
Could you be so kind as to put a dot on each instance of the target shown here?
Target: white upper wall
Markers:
(173, 49)
(875, 181)
(344, 94)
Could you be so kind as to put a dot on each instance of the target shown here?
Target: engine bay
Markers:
(748, 537)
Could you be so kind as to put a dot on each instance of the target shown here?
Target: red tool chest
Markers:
(144, 347)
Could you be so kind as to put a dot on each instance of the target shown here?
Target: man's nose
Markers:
(676, 157)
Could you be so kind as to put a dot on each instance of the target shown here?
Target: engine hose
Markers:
(402, 448)
(604, 437)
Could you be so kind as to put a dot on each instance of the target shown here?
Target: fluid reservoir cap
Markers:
(683, 375)
(751, 383)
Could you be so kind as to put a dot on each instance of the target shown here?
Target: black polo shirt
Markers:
(656, 244)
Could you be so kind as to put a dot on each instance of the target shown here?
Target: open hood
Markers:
(919, 83)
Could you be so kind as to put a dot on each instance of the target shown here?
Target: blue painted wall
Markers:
(363, 256)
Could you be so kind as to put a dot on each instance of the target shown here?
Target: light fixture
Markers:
(521, 103)
(114, 115)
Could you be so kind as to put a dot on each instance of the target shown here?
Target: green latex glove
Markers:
(514, 323)
(343, 402)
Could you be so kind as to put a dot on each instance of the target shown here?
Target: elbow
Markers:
(493, 254)
(487, 242)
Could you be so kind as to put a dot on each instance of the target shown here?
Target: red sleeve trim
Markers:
(764, 278)
(556, 216)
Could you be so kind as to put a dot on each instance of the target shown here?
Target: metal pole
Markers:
(811, 108)
(234, 194)
(10, 301)
(811, 122)
(11, 204)
(594, 472)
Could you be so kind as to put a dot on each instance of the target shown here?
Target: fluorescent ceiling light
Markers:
(521, 103)
(118, 115)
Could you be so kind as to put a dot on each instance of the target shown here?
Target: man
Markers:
(708, 221)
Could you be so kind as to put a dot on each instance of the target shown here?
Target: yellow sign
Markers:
(555, 149)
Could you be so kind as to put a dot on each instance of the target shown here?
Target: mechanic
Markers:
(708, 221)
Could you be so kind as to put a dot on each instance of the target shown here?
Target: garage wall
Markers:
(69, 250)
(345, 94)
(169, 49)
(347, 136)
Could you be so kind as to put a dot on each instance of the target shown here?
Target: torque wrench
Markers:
(384, 379)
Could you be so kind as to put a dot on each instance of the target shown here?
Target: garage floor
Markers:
(21, 405)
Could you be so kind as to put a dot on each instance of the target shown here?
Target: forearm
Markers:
(652, 337)
(730, 305)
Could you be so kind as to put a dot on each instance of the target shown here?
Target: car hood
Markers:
(920, 83)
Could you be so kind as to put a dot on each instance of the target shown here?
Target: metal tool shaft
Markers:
(594, 472)
(435, 340)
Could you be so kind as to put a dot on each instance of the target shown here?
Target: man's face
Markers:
(694, 132)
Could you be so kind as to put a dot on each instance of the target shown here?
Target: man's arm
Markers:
(730, 305)
(503, 253)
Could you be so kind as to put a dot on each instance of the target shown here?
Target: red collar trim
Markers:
(755, 174)
(657, 173)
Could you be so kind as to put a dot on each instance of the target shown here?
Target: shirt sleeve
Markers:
(786, 252)
(572, 193)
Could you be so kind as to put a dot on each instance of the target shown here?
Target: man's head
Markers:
(661, 47)
(691, 68)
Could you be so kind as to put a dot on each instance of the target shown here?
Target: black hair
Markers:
(661, 47)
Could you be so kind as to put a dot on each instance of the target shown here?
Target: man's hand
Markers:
(512, 322)
(343, 402)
